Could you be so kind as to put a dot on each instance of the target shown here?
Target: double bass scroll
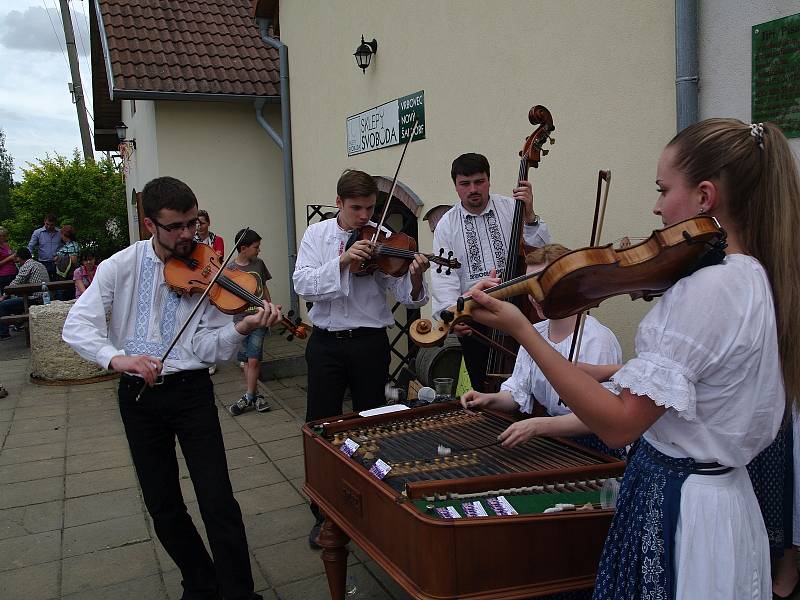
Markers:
(501, 364)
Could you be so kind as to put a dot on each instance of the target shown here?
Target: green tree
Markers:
(6, 179)
(90, 196)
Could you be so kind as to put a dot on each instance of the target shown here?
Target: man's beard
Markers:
(181, 248)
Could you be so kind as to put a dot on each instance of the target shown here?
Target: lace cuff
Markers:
(665, 382)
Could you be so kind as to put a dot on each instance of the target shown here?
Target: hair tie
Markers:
(757, 131)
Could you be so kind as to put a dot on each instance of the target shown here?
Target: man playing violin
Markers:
(478, 230)
(145, 314)
(349, 346)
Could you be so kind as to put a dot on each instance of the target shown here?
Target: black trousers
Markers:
(476, 357)
(360, 363)
(184, 408)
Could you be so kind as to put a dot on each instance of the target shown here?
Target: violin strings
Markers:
(232, 286)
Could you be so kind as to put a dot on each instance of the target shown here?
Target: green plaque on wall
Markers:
(776, 74)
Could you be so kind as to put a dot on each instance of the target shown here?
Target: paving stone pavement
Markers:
(72, 520)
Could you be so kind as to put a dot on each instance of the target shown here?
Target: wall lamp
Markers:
(364, 53)
(122, 134)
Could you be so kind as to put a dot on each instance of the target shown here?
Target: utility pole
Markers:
(75, 86)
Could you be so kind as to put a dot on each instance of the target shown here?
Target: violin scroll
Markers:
(441, 261)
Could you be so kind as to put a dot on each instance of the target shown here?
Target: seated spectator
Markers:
(8, 267)
(84, 274)
(30, 272)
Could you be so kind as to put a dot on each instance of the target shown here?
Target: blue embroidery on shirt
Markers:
(144, 303)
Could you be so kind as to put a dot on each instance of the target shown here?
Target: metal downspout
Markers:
(284, 142)
(686, 63)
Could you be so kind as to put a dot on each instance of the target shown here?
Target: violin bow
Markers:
(196, 307)
(597, 228)
(394, 183)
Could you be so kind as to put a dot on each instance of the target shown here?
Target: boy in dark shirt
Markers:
(251, 351)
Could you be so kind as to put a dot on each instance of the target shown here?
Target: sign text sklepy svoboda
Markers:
(386, 125)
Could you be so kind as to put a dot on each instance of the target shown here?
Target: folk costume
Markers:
(480, 243)
(687, 523)
(145, 315)
(599, 346)
(349, 346)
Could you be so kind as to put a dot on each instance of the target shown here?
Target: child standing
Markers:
(250, 353)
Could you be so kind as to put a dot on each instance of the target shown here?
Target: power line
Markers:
(80, 34)
(58, 40)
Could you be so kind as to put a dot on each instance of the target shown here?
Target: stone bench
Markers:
(51, 358)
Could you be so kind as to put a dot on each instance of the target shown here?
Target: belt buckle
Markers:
(344, 334)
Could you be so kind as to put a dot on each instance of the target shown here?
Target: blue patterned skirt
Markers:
(593, 442)
(638, 556)
(772, 475)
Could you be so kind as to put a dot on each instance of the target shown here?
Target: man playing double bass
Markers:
(478, 229)
(179, 399)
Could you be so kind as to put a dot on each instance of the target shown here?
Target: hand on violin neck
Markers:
(359, 252)
(496, 313)
(524, 193)
(266, 316)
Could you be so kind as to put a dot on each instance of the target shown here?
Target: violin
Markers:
(584, 278)
(392, 254)
(234, 291)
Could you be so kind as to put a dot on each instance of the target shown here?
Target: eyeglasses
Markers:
(173, 227)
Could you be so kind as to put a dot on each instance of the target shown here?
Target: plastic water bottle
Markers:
(351, 587)
(45, 293)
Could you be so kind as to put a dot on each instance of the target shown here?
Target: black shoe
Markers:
(313, 536)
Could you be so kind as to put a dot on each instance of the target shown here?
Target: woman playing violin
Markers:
(716, 367)
(145, 314)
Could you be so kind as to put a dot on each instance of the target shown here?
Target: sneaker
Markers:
(240, 406)
(261, 404)
(313, 536)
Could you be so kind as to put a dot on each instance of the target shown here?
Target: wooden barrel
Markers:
(439, 361)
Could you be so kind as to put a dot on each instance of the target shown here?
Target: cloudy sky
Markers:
(36, 109)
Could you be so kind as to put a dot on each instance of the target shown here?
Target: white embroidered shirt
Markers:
(480, 243)
(145, 316)
(342, 300)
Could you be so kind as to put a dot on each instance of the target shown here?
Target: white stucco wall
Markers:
(228, 160)
(141, 165)
(725, 54)
(234, 169)
(604, 69)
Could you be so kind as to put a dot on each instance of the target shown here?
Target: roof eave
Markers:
(191, 96)
(106, 54)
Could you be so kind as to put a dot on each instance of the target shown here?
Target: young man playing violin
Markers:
(178, 401)
(478, 230)
(349, 346)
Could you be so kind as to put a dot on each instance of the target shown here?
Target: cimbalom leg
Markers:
(334, 554)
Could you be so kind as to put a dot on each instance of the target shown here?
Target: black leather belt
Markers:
(346, 334)
(169, 378)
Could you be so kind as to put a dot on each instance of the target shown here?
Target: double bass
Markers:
(501, 362)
